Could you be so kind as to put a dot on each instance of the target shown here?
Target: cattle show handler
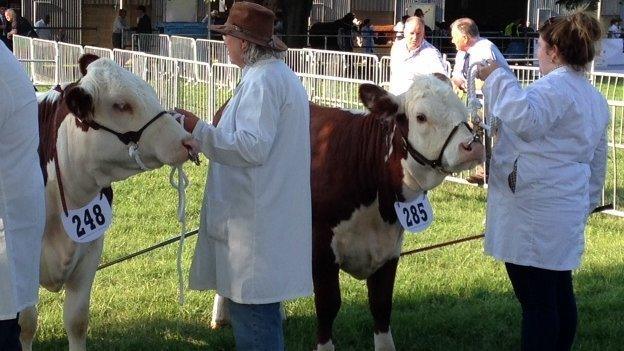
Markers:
(547, 172)
(22, 202)
(254, 245)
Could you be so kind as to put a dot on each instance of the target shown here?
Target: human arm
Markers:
(255, 115)
(597, 168)
(530, 112)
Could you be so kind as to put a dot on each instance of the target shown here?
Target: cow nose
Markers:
(192, 147)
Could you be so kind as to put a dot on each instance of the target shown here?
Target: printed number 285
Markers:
(415, 214)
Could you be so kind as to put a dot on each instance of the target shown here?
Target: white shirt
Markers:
(119, 25)
(555, 133)
(255, 238)
(406, 64)
(22, 202)
(42, 30)
(482, 49)
(614, 31)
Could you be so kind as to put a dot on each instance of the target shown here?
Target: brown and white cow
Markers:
(86, 132)
(362, 163)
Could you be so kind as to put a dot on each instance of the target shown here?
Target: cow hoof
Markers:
(328, 346)
(218, 325)
(384, 341)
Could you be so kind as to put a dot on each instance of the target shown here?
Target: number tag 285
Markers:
(416, 215)
(90, 222)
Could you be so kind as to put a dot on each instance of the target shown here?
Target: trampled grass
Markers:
(453, 298)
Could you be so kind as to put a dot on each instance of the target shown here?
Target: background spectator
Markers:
(19, 25)
(421, 14)
(144, 23)
(119, 26)
(399, 26)
(614, 29)
(411, 56)
(368, 33)
(42, 28)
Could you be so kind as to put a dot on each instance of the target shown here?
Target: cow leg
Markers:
(380, 286)
(28, 324)
(326, 287)
(220, 312)
(78, 296)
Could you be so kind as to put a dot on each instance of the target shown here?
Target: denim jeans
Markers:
(548, 307)
(257, 327)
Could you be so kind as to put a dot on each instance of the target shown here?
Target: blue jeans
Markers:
(257, 327)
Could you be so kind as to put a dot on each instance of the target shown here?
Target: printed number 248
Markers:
(414, 215)
(88, 220)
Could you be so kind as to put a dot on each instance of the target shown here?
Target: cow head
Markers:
(430, 120)
(109, 100)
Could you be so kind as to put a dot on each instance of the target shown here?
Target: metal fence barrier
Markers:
(202, 87)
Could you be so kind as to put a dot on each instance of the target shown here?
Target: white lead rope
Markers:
(181, 184)
(474, 105)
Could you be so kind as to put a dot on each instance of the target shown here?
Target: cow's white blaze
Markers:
(435, 100)
(364, 242)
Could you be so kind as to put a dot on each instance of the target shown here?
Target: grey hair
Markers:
(255, 53)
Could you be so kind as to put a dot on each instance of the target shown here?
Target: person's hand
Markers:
(190, 120)
(486, 68)
(459, 82)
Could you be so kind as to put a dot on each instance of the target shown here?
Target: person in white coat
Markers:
(255, 237)
(22, 202)
(547, 171)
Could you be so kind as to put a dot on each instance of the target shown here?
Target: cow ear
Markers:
(443, 78)
(79, 102)
(84, 61)
(377, 100)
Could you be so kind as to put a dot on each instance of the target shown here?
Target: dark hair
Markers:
(404, 18)
(575, 36)
(141, 8)
(419, 13)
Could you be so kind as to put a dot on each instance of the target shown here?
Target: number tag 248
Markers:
(416, 215)
(90, 222)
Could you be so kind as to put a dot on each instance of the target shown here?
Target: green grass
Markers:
(454, 298)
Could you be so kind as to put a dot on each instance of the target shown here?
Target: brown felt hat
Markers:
(251, 22)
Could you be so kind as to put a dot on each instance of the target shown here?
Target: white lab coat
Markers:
(255, 235)
(22, 202)
(555, 130)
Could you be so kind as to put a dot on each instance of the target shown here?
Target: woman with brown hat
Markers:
(255, 234)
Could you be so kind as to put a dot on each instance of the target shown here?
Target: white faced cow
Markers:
(86, 133)
(361, 165)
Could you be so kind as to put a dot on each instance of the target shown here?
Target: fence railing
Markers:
(202, 87)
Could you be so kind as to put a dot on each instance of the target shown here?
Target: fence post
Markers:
(57, 67)
(175, 83)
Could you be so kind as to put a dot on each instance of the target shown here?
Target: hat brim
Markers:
(274, 43)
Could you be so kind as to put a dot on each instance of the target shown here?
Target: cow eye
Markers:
(122, 107)
(421, 118)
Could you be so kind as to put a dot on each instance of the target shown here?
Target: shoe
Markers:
(476, 179)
